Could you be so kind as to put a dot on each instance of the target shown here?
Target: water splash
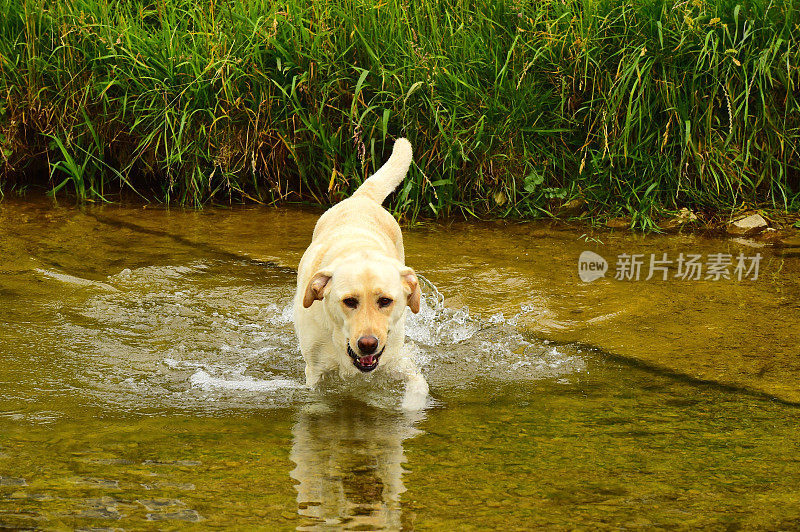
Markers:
(214, 336)
(477, 349)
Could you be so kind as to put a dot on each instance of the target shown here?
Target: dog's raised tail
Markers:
(385, 180)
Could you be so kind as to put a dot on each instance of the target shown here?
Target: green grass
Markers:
(513, 107)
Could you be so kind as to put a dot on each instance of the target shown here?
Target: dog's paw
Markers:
(416, 396)
(413, 402)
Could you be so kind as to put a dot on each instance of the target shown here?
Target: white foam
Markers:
(78, 281)
(202, 379)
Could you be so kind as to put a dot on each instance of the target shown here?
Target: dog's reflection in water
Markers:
(349, 470)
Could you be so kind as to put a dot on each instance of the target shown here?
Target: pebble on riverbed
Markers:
(166, 485)
(183, 463)
(11, 481)
(96, 482)
(180, 515)
(169, 509)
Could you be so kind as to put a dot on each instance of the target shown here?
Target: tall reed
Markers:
(514, 107)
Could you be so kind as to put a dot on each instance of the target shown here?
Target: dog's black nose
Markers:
(368, 344)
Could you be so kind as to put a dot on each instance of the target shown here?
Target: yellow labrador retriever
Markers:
(353, 288)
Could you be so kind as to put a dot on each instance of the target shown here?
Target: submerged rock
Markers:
(619, 223)
(183, 463)
(791, 241)
(101, 508)
(181, 515)
(157, 505)
(95, 482)
(166, 485)
(11, 481)
(773, 237)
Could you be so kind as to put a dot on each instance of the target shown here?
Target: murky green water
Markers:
(150, 379)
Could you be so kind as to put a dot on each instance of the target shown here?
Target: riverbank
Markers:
(609, 111)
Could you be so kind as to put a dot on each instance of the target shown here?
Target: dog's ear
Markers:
(411, 287)
(316, 287)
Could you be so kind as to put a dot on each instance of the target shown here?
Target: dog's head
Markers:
(364, 299)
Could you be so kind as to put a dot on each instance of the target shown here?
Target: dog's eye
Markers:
(384, 302)
(350, 302)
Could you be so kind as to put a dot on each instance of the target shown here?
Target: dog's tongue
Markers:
(367, 360)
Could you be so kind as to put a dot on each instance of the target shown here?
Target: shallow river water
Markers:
(150, 379)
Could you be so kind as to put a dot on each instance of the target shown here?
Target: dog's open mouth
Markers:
(365, 363)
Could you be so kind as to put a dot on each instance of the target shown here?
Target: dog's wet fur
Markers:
(353, 288)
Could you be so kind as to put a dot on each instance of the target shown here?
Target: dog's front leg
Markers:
(416, 394)
(312, 376)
